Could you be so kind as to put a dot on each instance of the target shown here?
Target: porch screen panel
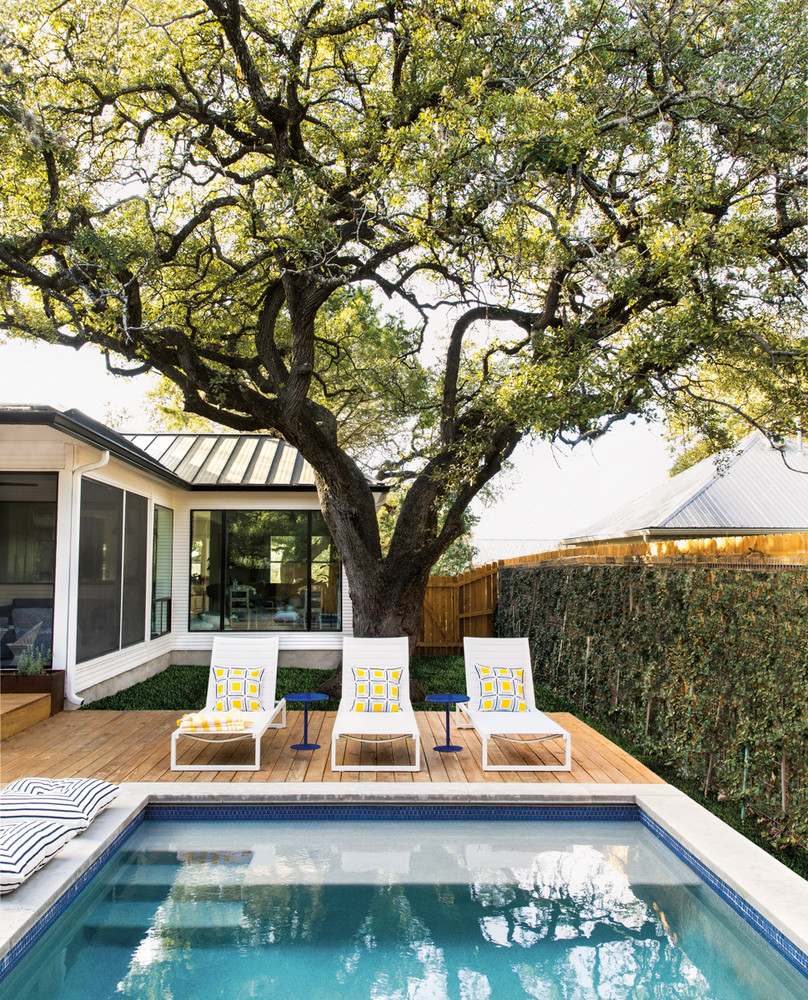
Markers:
(162, 548)
(133, 595)
(100, 550)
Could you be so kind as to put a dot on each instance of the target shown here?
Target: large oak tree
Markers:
(576, 203)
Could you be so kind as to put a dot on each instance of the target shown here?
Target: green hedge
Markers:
(705, 668)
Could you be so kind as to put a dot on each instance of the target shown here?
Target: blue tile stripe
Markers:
(34, 933)
(748, 913)
(412, 811)
(393, 811)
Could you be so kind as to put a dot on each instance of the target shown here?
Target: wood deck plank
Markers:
(135, 746)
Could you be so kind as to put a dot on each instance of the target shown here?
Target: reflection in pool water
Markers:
(400, 911)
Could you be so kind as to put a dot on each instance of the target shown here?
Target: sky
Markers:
(550, 492)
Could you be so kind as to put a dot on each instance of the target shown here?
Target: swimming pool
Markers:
(461, 906)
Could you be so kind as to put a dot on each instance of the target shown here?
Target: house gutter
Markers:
(75, 493)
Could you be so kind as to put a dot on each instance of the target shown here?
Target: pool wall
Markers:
(767, 895)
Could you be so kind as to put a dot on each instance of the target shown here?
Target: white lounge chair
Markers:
(520, 727)
(374, 726)
(238, 652)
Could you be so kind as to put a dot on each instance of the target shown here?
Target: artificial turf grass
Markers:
(183, 689)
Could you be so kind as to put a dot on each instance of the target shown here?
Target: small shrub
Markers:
(33, 662)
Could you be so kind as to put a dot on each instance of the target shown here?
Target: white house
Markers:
(130, 552)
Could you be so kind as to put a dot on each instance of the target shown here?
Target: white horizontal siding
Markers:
(32, 456)
(125, 477)
(104, 668)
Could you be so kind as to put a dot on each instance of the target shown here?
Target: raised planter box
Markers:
(51, 682)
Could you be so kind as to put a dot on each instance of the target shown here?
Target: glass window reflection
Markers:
(255, 570)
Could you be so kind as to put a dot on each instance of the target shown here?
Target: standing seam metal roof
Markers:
(198, 461)
(228, 459)
(753, 487)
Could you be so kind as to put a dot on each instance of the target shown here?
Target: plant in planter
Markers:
(33, 675)
(33, 662)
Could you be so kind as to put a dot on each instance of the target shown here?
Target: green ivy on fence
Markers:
(706, 667)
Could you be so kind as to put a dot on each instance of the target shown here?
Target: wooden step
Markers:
(19, 711)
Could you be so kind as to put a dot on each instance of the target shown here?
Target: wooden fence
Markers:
(457, 606)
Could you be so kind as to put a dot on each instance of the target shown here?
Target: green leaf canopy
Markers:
(576, 204)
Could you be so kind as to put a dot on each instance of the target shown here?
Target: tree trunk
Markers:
(388, 602)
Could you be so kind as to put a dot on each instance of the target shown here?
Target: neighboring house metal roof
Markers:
(190, 461)
(749, 489)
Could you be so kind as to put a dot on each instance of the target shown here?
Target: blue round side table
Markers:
(448, 700)
(306, 697)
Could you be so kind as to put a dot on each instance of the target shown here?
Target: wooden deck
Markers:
(135, 746)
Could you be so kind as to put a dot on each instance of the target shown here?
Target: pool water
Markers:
(430, 910)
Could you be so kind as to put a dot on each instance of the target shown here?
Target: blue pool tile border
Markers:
(34, 933)
(794, 955)
(392, 811)
(411, 811)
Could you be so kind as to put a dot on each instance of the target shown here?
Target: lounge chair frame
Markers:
(522, 728)
(239, 651)
(375, 727)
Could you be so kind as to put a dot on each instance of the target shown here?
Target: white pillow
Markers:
(18, 807)
(25, 847)
(91, 795)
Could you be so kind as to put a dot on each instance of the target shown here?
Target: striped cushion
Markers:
(501, 689)
(91, 795)
(26, 847)
(238, 689)
(377, 689)
(17, 807)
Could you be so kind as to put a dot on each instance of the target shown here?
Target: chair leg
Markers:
(461, 714)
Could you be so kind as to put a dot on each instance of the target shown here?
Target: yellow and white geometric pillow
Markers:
(501, 689)
(377, 689)
(238, 689)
